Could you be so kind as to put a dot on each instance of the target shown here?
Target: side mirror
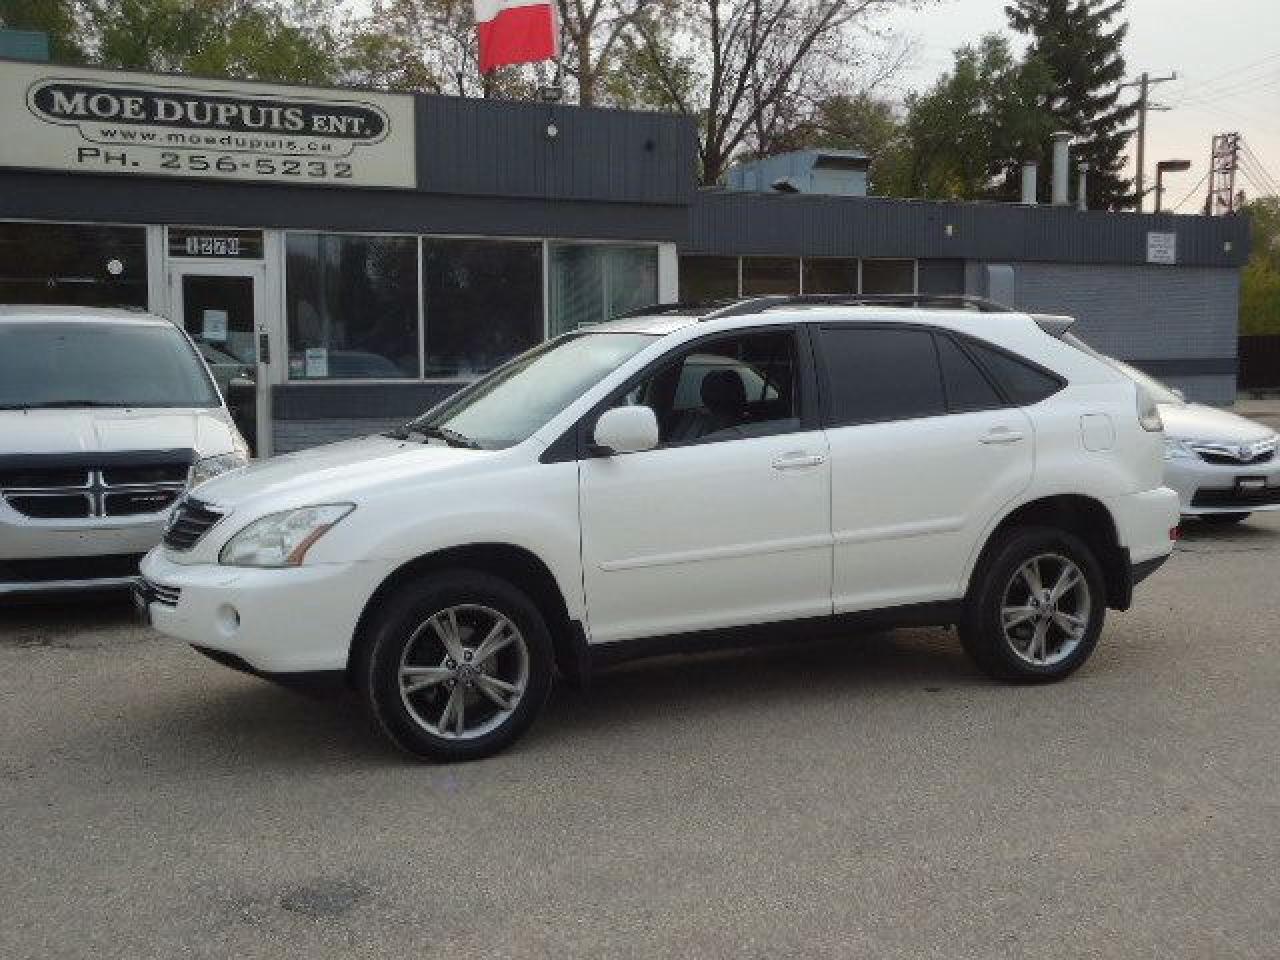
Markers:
(626, 430)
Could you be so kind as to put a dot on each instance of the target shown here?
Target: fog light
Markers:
(228, 620)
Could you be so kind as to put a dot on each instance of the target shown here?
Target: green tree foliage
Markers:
(980, 121)
(1080, 42)
(57, 18)
(1260, 280)
(296, 41)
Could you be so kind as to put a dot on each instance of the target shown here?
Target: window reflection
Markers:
(482, 300)
(352, 306)
(77, 264)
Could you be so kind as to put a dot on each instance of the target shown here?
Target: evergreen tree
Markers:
(1079, 41)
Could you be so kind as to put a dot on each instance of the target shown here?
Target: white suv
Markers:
(686, 478)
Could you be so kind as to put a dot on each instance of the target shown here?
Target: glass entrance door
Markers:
(220, 311)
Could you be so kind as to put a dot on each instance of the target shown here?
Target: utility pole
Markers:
(1144, 84)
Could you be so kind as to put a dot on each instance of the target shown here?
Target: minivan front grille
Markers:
(191, 520)
(60, 492)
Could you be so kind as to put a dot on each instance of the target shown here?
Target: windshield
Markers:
(99, 364)
(517, 399)
(1158, 391)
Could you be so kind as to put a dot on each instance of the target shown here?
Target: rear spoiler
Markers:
(1053, 324)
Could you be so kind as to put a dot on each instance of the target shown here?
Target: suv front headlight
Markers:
(282, 539)
(211, 467)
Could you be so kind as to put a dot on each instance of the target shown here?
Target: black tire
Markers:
(1223, 519)
(403, 623)
(981, 628)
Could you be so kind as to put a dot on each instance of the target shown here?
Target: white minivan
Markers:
(685, 478)
(107, 417)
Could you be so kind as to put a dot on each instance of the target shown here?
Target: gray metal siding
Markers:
(501, 148)
(1177, 324)
(290, 435)
(731, 222)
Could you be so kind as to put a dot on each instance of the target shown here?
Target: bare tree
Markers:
(593, 35)
(745, 67)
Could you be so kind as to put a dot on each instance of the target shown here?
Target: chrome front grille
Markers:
(1236, 455)
(190, 521)
(60, 493)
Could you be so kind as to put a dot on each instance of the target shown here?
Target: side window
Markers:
(1021, 382)
(878, 373)
(967, 386)
(725, 389)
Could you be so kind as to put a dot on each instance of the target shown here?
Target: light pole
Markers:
(1163, 167)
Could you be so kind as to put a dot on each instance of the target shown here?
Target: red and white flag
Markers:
(516, 31)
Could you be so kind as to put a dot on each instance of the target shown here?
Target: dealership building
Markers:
(356, 256)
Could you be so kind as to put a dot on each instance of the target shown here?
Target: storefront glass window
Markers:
(831, 275)
(483, 303)
(703, 279)
(888, 276)
(765, 275)
(76, 264)
(352, 306)
(592, 282)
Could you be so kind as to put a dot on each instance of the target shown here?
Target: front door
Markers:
(220, 307)
(728, 521)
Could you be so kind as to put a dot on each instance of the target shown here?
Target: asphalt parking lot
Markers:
(866, 797)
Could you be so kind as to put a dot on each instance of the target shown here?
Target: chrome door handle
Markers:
(797, 461)
(1001, 435)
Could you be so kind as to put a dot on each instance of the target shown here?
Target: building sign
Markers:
(100, 121)
(215, 244)
(1162, 247)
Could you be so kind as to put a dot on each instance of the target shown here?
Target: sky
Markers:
(1226, 54)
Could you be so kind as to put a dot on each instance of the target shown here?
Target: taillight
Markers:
(1175, 533)
(1148, 411)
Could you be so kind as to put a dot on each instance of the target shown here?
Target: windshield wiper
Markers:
(452, 437)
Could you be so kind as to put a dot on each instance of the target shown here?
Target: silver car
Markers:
(1223, 466)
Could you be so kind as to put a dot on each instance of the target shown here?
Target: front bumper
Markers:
(1208, 488)
(268, 621)
(48, 557)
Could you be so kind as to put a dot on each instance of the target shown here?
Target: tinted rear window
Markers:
(875, 374)
(1023, 383)
(967, 386)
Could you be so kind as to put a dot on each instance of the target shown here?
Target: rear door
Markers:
(925, 450)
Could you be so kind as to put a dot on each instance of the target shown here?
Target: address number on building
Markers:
(219, 245)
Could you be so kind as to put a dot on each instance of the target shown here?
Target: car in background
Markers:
(107, 417)
(1223, 465)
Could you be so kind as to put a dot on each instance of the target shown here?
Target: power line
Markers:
(1191, 193)
(1248, 66)
(1263, 82)
(1261, 168)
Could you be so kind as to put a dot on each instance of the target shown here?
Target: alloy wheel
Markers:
(1045, 610)
(464, 672)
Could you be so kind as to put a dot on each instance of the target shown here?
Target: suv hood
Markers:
(112, 430)
(335, 472)
(1195, 421)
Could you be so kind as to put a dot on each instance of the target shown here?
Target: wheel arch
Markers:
(519, 566)
(1085, 517)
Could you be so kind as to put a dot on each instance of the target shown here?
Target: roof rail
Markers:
(953, 301)
(713, 309)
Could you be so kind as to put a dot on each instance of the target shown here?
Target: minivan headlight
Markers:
(282, 539)
(1177, 449)
(211, 467)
